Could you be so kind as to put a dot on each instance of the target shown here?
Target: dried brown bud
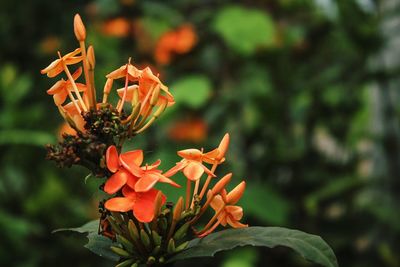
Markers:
(79, 28)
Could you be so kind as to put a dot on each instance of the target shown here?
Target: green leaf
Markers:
(310, 247)
(244, 30)
(192, 91)
(97, 244)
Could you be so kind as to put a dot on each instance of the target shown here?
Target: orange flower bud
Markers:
(221, 184)
(91, 58)
(155, 95)
(158, 204)
(178, 209)
(223, 147)
(108, 86)
(79, 28)
(234, 196)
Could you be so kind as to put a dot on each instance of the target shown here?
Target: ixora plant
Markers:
(137, 227)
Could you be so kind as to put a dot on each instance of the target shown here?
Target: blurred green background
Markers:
(308, 89)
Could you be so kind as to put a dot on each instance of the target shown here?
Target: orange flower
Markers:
(60, 89)
(229, 214)
(190, 130)
(186, 39)
(192, 164)
(127, 69)
(179, 41)
(224, 207)
(147, 176)
(148, 86)
(56, 67)
(226, 212)
(121, 176)
(127, 171)
(118, 27)
(71, 110)
(143, 204)
(65, 128)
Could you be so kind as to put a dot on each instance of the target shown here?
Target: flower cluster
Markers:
(145, 228)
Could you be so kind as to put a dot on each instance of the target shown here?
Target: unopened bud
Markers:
(144, 237)
(160, 109)
(133, 231)
(125, 243)
(181, 232)
(79, 28)
(221, 184)
(182, 246)
(91, 58)
(150, 261)
(125, 263)
(237, 192)
(155, 95)
(178, 209)
(156, 238)
(119, 251)
(171, 246)
(158, 204)
(223, 147)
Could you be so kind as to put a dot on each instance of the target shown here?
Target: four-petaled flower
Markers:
(127, 171)
(142, 204)
(56, 67)
(224, 204)
(62, 88)
(192, 164)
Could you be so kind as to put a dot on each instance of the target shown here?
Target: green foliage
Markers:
(310, 247)
(193, 91)
(244, 30)
(275, 73)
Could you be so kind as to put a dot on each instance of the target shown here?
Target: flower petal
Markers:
(233, 196)
(60, 98)
(164, 179)
(128, 191)
(116, 181)
(146, 182)
(193, 171)
(129, 92)
(132, 160)
(191, 154)
(234, 224)
(112, 158)
(217, 203)
(179, 166)
(118, 73)
(145, 205)
(77, 73)
(57, 87)
(235, 211)
(121, 204)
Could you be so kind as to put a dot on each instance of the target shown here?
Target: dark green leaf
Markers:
(310, 247)
(97, 244)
